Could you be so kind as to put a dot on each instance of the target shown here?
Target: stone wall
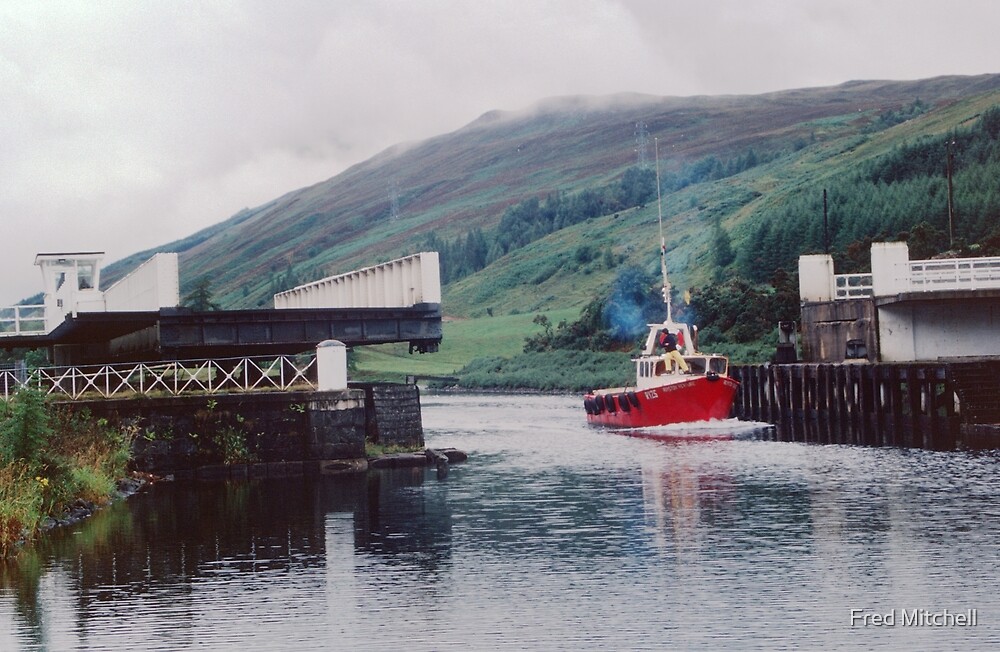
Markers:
(392, 414)
(183, 433)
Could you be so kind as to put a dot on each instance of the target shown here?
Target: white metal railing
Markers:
(22, 320)
(167, 378)
(853, 286)
(954, 274)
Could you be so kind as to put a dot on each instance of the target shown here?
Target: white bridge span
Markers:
(398, 283)
(71, 282)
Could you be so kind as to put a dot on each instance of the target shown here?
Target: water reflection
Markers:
(174, 538)
(553, 536)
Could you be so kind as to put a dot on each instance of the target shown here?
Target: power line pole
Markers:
(826, 227)
(951, 201)
(642, 144)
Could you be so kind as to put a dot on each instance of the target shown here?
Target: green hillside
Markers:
(535, 211)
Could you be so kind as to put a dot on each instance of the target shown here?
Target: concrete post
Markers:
(816, 278)
(890, 268)
(331, 366)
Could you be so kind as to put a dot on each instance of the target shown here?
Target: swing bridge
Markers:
(134, 339)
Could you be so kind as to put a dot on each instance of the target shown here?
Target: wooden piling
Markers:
(911, 405)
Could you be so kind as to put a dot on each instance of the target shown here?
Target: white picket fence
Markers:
(227, 375)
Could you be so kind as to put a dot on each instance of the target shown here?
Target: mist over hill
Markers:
(728, 163)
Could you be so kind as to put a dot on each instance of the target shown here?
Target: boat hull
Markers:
(699, 398)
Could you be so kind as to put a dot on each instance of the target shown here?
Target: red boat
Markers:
(663, 394)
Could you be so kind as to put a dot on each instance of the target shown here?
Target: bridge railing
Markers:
(22, 320)
(928, 276)
(227, 375)
(853, 286)
(954, 274)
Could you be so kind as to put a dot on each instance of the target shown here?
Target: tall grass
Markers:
(51, 456)
(21, 498)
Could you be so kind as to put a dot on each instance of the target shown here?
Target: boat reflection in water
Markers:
(680, 496)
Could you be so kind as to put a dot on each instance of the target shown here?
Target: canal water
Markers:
(553, 536)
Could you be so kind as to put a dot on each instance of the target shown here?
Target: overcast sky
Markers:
(126, 125)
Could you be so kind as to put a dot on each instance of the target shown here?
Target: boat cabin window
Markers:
(697, 364)
(661, 368)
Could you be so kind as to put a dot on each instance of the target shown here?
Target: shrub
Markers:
(25, 430)
(233, 446)
(40, 473)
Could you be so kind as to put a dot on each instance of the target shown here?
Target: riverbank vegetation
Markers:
(50, 457)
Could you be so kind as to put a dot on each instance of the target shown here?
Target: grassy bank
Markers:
(549, 370)
(50, 457)
(487, 353)
(463, 340)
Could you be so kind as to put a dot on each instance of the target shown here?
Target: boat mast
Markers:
(663, 242)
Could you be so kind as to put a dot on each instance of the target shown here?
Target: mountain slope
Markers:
(467, 178)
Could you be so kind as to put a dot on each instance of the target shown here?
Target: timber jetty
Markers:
(937, 406)
(907, 355)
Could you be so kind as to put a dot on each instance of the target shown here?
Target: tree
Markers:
(476, 250)
(200, 297)
(609, 260)
(784, 303)
(25, 429)
(990, 122)
(925, 241)
(722, 247)
(638, 186)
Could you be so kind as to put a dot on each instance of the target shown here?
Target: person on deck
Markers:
(672, 358)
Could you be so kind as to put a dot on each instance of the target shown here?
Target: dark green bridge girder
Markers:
(182, 334)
